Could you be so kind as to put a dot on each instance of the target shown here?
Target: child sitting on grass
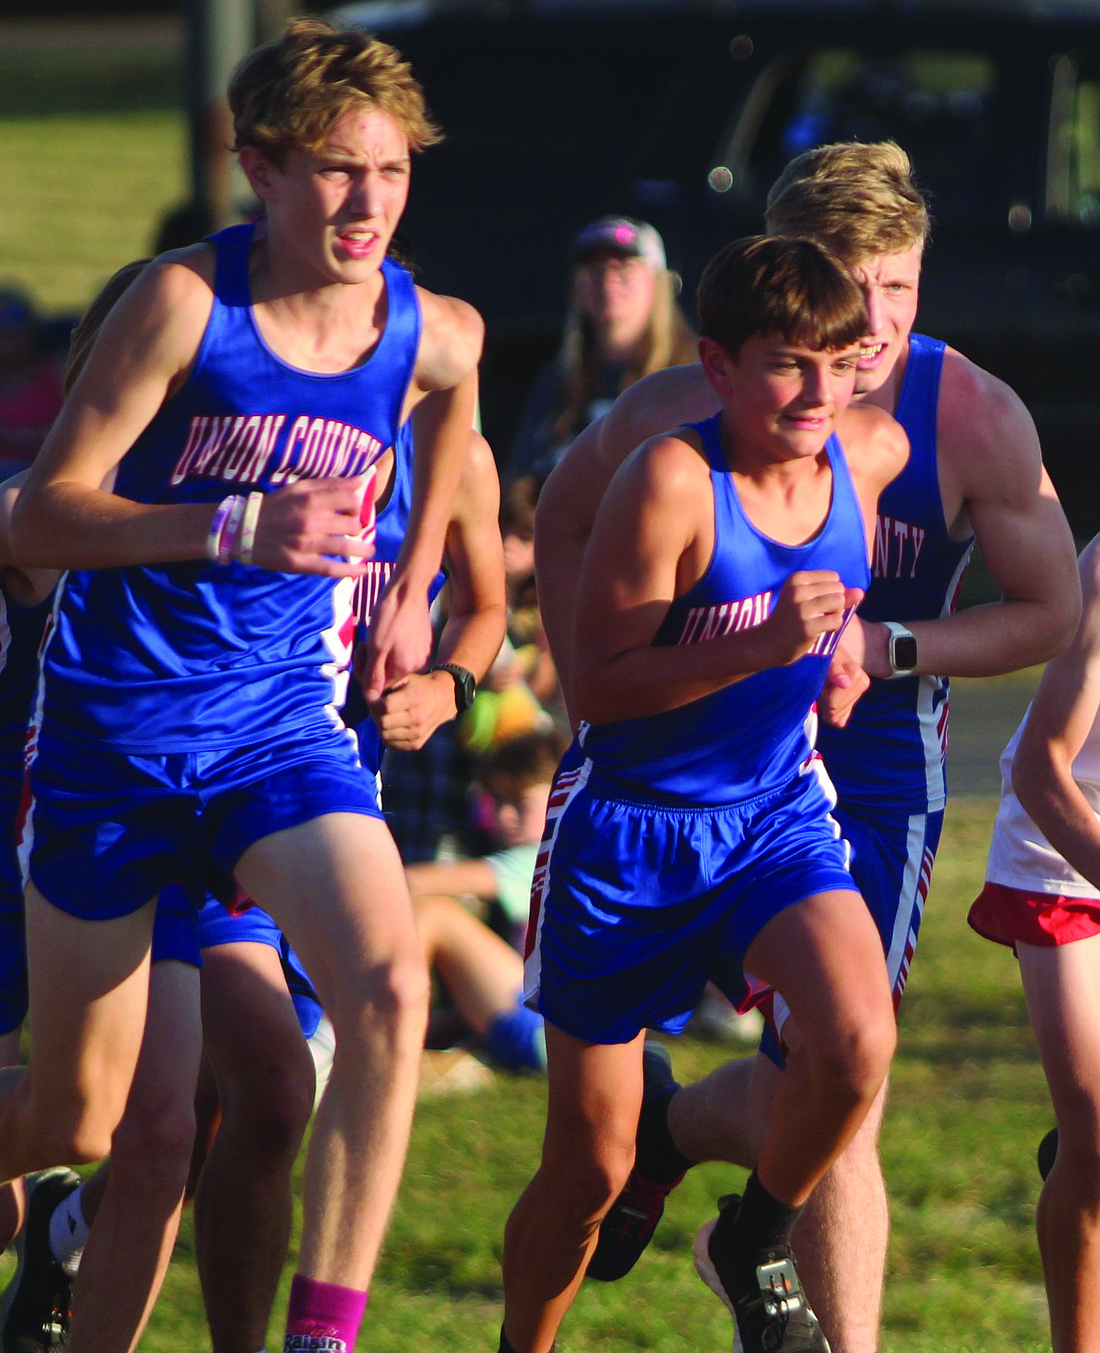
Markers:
(481, 972)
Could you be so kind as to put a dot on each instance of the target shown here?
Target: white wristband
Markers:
(249, 522)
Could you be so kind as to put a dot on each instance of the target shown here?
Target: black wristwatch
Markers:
(465, 685)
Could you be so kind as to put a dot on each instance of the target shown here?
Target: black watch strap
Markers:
(465, 685)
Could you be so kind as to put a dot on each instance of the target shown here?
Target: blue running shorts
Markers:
(253, 925)
(892, 858)
(250, 925)
(104, 832)
(636, 906)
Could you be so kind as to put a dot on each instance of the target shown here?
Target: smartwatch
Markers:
(465, 685)
(901, 648)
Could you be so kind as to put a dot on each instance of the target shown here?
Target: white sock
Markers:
(69, 1232)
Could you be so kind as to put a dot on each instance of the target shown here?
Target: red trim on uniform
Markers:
(1017, 915)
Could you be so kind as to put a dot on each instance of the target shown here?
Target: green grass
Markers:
(82, 195)
(93, 150)
(967, 1109)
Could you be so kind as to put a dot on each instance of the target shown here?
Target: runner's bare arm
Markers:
(653, 539)
(991, 462)
(144, 348)
(144, 351)
(571, 497)
(474, 630)
(1058, 723)
(452, 878)
(27, 586)
(442, 403)
(411, 711)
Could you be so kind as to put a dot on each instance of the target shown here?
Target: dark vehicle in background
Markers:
(558, 111)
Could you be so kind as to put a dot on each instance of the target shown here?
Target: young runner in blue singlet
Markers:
(745, 751)
(239, 390)
(695, 841)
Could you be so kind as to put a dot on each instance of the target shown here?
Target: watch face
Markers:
(903, 654)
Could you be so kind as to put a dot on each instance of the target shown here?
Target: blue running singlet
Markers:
(753, 736)
(894, 745)
(187, 656)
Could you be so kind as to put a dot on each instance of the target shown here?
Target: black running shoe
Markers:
(772, 1314)
(36, 1308)
(1048, 1149)
(628, 1227)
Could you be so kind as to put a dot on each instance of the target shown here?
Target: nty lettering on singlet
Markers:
(703, 623)
(897, 547)
(248, 449)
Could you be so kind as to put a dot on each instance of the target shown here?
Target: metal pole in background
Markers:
(219, 33)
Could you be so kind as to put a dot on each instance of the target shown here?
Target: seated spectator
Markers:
(481, 972)
(30, 382)
(623, 322)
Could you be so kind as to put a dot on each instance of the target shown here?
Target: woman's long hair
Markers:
(668, 341)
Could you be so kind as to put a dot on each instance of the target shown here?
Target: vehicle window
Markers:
(1073, 161)
(937, 104)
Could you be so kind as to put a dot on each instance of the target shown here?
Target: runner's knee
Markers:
(1079, 1132)
(387, 1000)
(857, 1059)
(272, 1107)
(78, 1130)
(591, 1166)
(79, 1139)
(591, 1181)
(154, 1141)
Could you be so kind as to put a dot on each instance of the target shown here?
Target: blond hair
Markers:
(668, 341)
(287, 94)
(858, 199)
(88, 326)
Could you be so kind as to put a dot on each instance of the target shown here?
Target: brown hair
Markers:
(287, 94)
(521, 762)
(668, 341)
(768, 284)
(857, 199)
(88, 326)
(517, 507)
